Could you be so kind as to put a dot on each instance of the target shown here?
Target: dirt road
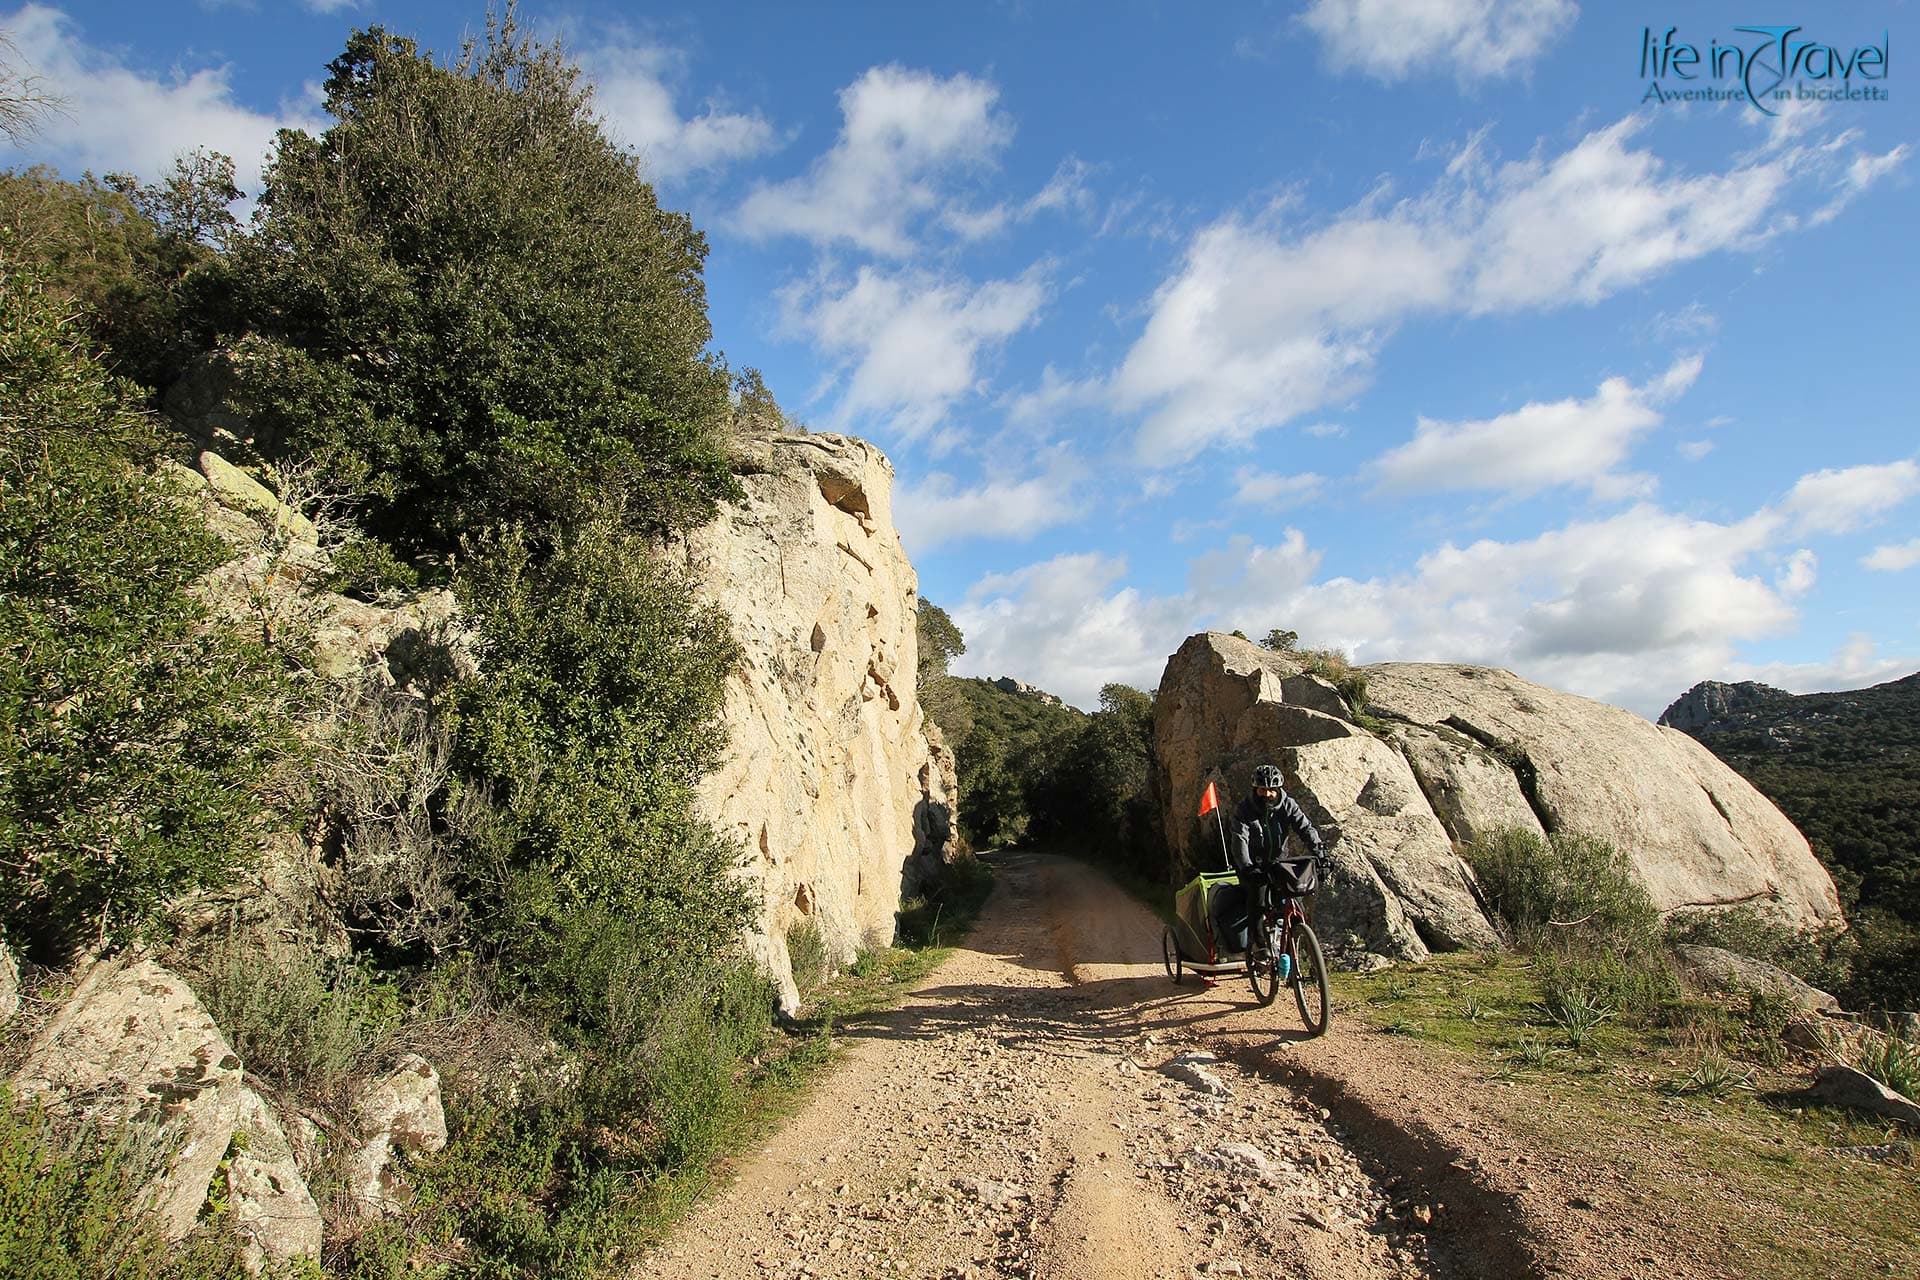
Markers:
(1046, 1106)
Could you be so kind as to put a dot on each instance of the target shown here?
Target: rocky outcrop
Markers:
(9, 985)
(835, 783)
(1463, 750)
(1697, 834)
(134, 1045)
(272, 1210)
(1398, 886)
(1021, 689)
(1717, 969)
(399, 1112)
(1712, 701)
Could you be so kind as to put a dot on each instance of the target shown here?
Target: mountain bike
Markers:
(1282, 947)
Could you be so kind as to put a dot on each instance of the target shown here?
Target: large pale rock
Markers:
(400, 1111)
(9, 984)
(133, 1044)
(1844, 1086)
(1698, 834)
(1717, 969)
(273, 1212)
(237, 491)
(834, 781)
(1471, 791)
(1398, 888)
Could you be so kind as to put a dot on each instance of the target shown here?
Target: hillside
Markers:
(1845, 767)
(1015, 730)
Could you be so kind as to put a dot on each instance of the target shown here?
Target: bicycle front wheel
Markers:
(1309, 978)
(1262, 973)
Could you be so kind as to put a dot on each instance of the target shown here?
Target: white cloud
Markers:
(1632, 609)
(1325, 430)
(1064, 625)
(1474, 39)
(1055, 396)
(1537, 446)
(912, 342)
(1893, 557)
(1855, 664)
(118, 118)
(1694, 450)
(937, 510)
(1253, 487)
(903, 132)
(1798, 575)
(1860, 175)
(1842, 500)
(633, 91)
(1265, 320)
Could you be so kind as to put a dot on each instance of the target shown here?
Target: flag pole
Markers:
(1220, 823)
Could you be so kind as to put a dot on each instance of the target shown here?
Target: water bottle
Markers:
(1285, 966)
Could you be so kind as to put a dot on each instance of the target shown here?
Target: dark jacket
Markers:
(1258, 835)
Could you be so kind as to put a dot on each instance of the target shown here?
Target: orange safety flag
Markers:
(1209, 800)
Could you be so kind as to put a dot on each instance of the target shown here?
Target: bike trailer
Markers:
(1210, 922)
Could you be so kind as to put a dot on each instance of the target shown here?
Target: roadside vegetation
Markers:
(469, 342)
(1587, 1041)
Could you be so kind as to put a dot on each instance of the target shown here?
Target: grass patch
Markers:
(1705, 1132)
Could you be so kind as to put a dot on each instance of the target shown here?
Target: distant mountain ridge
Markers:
(1844, 766)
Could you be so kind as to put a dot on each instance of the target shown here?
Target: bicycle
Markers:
(1283, 948)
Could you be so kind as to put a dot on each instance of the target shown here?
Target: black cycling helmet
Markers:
(1267, 775)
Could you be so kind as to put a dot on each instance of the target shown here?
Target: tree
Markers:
(127, 254)
(940, 642)
(1281, 641)
(468, 304)
(22, 102)
(137, 736)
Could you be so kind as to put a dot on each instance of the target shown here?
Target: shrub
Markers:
(137, 739)
(368, 570)
(467, 303)
(595, 714)
(1821, 957)
(1565, 890)
(122, 251)
(807, 950)
(70, 1206)
(308, 1027)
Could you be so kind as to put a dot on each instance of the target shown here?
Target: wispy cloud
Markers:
(909, 343)
(904, 133)
(1266, 319)
(1538, 446)
(117, 117)
(635, 92)
(1471, 39)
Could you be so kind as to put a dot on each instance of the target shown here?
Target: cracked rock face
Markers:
(834, 781)
(1697, 833)
(1468, 749)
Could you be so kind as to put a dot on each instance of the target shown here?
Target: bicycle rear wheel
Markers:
(1309, 978)
(1262, 974)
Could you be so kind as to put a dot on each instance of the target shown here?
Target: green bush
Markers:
(367, 570)
(1564, 891)
(70, 1207)
(469, 306)
(1097, 794)
(122, 252)
(137, 739)
(308, 1027)
(807, 951)
(595, 714)
(1822, 957)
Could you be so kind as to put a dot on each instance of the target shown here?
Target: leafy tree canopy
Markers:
(469, 305)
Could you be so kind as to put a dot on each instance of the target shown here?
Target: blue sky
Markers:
(1410, 325)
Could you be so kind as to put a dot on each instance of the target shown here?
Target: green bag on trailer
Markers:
(1210, 918)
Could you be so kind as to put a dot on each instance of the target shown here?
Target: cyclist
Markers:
(1261, 823)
